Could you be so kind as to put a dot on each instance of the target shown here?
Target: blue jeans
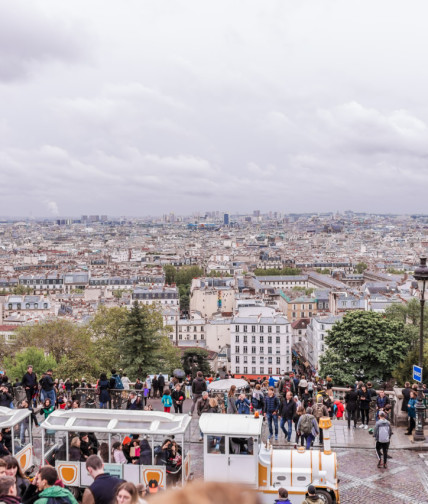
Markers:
(271, 417)
(309, 438)
(103, 405)
(50, 395)
(289, 425)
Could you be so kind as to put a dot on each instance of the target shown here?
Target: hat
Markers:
(311, 490)
(153, 486)
(126, 440)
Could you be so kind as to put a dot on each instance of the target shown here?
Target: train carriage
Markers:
(18, 423)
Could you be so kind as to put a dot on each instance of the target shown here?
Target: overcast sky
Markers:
(152, 106)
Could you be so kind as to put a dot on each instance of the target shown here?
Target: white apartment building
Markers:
(162, 295)
(316, 333)
(260, 340)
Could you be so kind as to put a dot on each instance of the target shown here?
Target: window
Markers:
(253, 349)
(288, 338)
(322, 327)
(216, 445)
(180, 336)
(262, 339)
(269, 339)
(45, 305)
(245, 328)
(300, 338)
(245, 359)
(27, 305)
(253, 339)
(237, 370)
(278, 360)
(237, 359)
(294, 314)
(269, 349)
(269, 329)
(194, 336)
(310, 306)
(278, 340)
(262, 350)
(269, 360)
(202, 329)
(245, 338)
(294, 307)
(302, 314)
(237, 349)
(269, 370)
(245, 349)
(278, 370)
(253, 369)
(278, 350)
(322, 348)
(277, 329)
(236, 338)
(261, 328)
(310, 314)
(253, 359)
(245, 370)
(299, 331)
(202, 336)
(262, 369)
(237, 328)
(322, 337)
(262, 360)
(253, 328)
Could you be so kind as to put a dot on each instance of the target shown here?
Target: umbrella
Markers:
(224, 385)
(179, 373)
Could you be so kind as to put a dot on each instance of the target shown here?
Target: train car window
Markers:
(216, 445)
(241, 446)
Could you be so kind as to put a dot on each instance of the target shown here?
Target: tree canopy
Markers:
(196, 359)
(360, 267)
(366, 342)
(17, 365)
(277, 272)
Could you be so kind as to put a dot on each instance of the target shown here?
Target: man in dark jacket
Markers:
(271, 412)
(351, 400)
(203, 406)
(406, 396)
(47, 385)
(104, 485)
(286, 412)
(178, 398)
(5, 397)
(29, 382)
(161, 384)
(198, 386)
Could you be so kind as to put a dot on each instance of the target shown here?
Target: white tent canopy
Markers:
(230, 425)
(224, 385)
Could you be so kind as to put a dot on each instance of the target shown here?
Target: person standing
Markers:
(312, 497)
(406, 396)
(282, 497)
(178, 399)
(29, 382)
(364, 402)
(188, 387)
(203, 406)
(166, 400)
(411, 412)
(287, 411)
(382, 433)
(148, 385)
(243, 405)
(351, 400)
(47, 385)
(125, 381)
(271, 412)
(381, 401)
(198, 387)
(104, 485)
(103, 391)
(48, 491)
(161, 384)
(155, 386)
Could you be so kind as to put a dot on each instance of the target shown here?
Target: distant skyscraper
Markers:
(256, 213)
(103, 218)
(226, 219)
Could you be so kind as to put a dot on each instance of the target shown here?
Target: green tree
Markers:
(361, 267)
(277, 272)
(168, 356)
(21, 290)
(141, 340)
(404, 371)
(331, 364)
(17, 365)
(196, 359)
(184, 276)
(367, 342)
(106, 330)
(170, 273)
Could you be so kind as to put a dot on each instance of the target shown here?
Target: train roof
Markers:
(231, 425)
(10, 417)
(117, 421)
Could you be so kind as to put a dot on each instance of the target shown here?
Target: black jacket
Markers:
(47, 383)
(198, 386)
(29, 380)
(178, 397)
(351, 399)
(161, 382)
(287, 409)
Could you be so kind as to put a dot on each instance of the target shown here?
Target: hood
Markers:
(55, 491)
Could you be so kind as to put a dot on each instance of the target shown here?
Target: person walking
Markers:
(203, 406)
(231, 401)
(351, 400)
(287, 410)
(411, 412)
(308, 427)
(271, 412)
(47, 385)
(198, 387)
(382, 433)
(320, 410)
(166, 400)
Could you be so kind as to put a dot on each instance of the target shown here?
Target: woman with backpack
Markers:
(308, 427)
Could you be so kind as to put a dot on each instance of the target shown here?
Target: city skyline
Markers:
(175, 106)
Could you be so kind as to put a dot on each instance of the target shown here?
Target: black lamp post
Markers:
(421, 275)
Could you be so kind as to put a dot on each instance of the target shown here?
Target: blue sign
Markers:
(417, 373)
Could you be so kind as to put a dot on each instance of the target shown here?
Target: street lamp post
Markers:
(421, 275)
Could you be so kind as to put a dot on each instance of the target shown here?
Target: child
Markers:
(166, 400)
(339, 408)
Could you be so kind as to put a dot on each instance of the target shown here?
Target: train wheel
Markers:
(325, 496)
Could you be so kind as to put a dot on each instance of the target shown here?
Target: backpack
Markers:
(257, 404)
(286, 387)
(58, 500)
(118, 382)
(317, 410)
(306, 424)
(383, 433)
